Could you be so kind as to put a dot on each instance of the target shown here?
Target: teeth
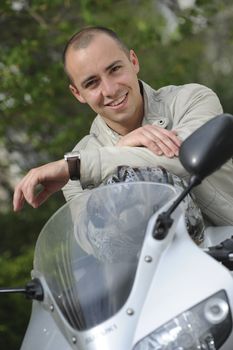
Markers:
(118, 101)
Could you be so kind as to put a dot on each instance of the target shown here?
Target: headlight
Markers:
(206, 326)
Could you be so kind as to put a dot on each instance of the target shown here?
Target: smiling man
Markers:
(105, 77)
(135, 126)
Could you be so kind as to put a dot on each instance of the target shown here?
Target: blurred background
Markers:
(177, 42)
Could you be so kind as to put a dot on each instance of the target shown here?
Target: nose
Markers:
(108, 87)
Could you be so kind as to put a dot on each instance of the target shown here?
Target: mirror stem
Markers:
(164, 220)
(13, 290)
(193, 181)
(33, 290)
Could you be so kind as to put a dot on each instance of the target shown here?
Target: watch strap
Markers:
(73, 161)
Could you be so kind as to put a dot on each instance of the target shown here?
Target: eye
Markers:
(91, 84)
(115, 68)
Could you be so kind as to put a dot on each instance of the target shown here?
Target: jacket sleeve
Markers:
(193, 106)
(73, 189)
(98, 164)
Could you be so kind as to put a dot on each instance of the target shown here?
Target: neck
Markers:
(124, 129)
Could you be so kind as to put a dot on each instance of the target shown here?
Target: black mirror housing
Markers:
(209, 147)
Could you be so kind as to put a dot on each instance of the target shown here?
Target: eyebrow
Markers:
(108, 68)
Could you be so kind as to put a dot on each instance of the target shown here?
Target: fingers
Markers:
(148, 140)
(25, 191)
(158, 140)
(18, 200)
(41, 197)
(166, 141)
(50, 177)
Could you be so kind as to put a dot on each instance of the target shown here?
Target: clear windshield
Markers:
(88, 251)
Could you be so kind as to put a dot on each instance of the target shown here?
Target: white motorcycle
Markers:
(118, 269)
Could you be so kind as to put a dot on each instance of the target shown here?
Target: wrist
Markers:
(65, 169)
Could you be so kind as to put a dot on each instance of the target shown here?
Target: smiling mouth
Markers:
(118, 102)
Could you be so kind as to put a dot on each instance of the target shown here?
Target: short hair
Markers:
(83, 38)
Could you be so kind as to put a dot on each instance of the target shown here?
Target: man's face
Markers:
(106, 79)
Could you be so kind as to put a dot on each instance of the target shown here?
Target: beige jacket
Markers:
(183, 108)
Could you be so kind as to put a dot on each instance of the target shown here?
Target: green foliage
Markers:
(40, 120)
(18, 236)
(14, 309)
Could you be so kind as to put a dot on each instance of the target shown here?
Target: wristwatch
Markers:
(73, 161)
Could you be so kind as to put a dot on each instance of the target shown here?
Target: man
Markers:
(135, 126)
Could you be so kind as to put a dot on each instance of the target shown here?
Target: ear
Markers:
(134, 60)
(76, 93)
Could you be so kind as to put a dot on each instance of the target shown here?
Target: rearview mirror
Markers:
(209, 147)
(203, 152)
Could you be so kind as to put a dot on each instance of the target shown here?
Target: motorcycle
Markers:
(118, 269)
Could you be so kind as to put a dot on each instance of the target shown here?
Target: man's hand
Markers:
(160, 141)
(52, 177)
